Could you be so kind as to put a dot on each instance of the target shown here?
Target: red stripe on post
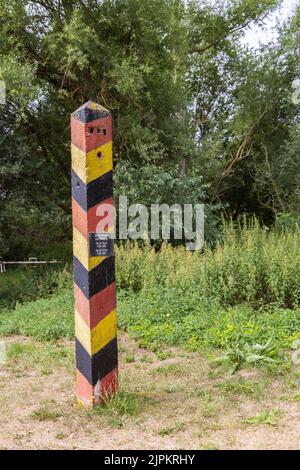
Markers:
(107, 386)
(84, 390)
(94, 219)
(87, 222)
(79, 218)
(84, 139)
(95, 309)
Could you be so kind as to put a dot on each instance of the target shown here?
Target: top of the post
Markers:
(90, 111)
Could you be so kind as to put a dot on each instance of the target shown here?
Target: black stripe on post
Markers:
(92, 282)
(101, 363)
(95, 192)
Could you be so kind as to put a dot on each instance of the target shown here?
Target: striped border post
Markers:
(94, 276)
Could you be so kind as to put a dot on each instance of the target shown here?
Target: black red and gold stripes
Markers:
(94, 276)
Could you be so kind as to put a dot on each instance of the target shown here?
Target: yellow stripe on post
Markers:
(90, 166)
(83, 332)
(95, 339)
(104, 332)
(81, 251)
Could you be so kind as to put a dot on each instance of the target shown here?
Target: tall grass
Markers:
(252, 266)
(246, 290)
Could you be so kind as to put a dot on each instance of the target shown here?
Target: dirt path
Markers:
(177, 402)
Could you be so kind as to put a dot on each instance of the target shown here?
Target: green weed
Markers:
(166, 431)
(209, 446)
(170, 369)
(269, 417)
(255, 354)
(129, 358)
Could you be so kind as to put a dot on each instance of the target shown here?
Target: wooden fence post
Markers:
(94, 263)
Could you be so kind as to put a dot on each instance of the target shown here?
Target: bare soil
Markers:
(179, 402)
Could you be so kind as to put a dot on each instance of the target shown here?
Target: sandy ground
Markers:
(179, 401)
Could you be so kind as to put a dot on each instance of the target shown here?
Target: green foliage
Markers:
(47, 357)
(129, 358)
(30, 283)
(187, 124)
(44, 413)
(44, 319)
(236, 385)
(235, 298)
(288, 221)
(235, 295)
(202, 324)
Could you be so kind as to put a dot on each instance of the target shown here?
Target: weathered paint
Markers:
(94, 276)
(84, 140)
(81, 251)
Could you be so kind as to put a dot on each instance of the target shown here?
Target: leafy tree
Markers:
(173, 75)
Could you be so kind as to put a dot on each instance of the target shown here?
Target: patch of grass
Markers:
(45, 319)
(169, 316)
(45, 414)
(147, 359)
(119, 407)
(26, 284)
(162, 355)
(208, 406)
(210, 446)
(215, 373)
(209, 409)
(174, 388)
(277, 370)
(45, 356)
(170, 369)
(170, 430)
(202, 393)
(129, 358)
(270, 417)
(241, 386)
(166, 431)
(60, 436)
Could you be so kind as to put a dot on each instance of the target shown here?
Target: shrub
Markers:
(27, 283)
